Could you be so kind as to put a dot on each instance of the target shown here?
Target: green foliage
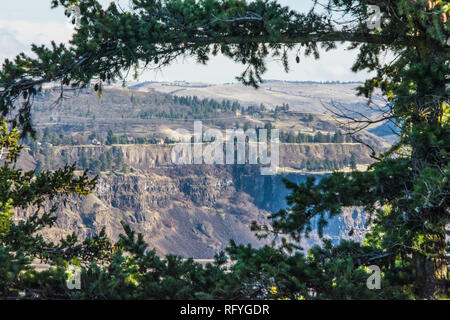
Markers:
(318, 137)
(203, 109)
(128, 269)
(405, 193)
(21, 241)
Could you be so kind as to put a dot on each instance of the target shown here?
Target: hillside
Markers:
(310, 97)
(193, 210)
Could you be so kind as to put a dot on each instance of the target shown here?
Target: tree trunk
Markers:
(427, 113)
(433, 267)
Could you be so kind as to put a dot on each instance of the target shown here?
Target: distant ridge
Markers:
(303, 96)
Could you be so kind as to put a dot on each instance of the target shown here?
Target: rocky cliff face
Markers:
(145, 157)
(192, 210)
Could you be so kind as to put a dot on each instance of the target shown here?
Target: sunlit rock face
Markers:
(191, 210)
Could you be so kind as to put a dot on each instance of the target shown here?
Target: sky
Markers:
(23, 22)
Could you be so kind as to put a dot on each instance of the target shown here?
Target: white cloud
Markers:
(17, 35)
(10, 45)
(333, 65)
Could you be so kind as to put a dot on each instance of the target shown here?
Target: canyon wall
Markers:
(190, 210)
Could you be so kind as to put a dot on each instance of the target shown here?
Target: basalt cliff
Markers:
(190, 210)
(124, 137)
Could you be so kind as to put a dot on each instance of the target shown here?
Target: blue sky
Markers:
(23, 22)
(39, 10)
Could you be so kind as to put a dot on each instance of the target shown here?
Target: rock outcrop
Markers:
(191, 210)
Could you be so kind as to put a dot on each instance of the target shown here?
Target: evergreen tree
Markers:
(406, 191)
(352, 162)
(111, 138)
